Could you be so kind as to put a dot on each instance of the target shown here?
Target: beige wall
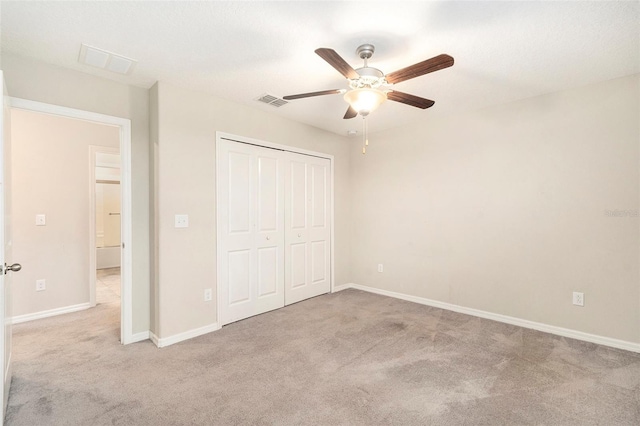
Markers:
(188, 122)
(51, 176)
(107, 223)
(503, 209)
(153, 207)
(41, 82)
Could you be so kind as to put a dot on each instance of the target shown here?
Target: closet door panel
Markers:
(269, 236)
(307, 190)
(268, 192)
(319, 230)
(319, 261)
(297, 191)
(251, 230)
(237, 260)
(239, 190)
(298, 264)
(268, 273)
(319, 181)
(239, 274)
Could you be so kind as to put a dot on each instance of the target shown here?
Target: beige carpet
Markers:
(107, 285)
(347, 358)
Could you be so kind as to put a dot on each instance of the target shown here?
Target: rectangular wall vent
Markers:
(272, 100)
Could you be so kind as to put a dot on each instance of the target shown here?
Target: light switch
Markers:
(182, 221)
(41, 220)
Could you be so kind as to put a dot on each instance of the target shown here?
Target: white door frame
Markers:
(93, 150)
(5, 288)
(126, 273)
(257, 142)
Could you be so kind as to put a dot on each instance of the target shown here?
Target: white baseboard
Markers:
(50, 313)
(154, 338)
(565, 332)
(341, 287)
(139, 337)
(166, 341)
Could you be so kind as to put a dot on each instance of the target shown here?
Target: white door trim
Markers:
(93, 150)
(5, 280)
(126, 286)
(257, 142)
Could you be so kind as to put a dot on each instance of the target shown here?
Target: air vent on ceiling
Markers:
(272, 100)
(106, 60)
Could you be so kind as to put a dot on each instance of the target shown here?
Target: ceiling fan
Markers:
(366, 83)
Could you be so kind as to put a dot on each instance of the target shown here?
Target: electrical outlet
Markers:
(41, 285)
(578, 298)
(182, 221)
(208, 294)
(41, 220)
(380, 267)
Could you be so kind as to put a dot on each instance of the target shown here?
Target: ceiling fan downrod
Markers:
(365, 51)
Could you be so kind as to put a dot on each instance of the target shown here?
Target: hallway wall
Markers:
(38, 81)
(51, 176)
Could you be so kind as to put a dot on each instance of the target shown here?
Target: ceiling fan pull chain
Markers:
(366, 133)
(365, 139)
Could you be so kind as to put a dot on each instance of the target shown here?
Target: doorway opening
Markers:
(122, 128)
(108, 239)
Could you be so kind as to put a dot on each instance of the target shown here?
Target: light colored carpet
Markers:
(108, 285)
(346, 358)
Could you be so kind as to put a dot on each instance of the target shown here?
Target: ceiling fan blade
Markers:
(309, 95)
(421, 68)
(350, 113)
(337, 62)
(408, 99)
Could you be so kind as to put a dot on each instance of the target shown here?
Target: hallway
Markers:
(107, 285)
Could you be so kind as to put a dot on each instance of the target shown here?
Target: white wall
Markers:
(503, 209)
(185, 172)
(51, 176)
(41, 82)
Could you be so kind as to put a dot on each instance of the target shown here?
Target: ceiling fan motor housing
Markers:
(369, 72)
(369, 77)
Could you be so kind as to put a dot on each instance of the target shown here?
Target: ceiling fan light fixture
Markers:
(365, 100)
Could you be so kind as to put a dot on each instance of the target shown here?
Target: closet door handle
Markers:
(299, 235)
(268, 237)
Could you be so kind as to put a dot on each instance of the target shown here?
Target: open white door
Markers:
(5, 247)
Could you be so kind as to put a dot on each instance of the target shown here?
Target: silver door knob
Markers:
(299, 235)
(268, 238)
(13, 268)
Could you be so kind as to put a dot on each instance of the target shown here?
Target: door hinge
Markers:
(122, 245)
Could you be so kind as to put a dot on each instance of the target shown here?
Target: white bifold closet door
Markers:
(251, 234)
(307, 230)
(274, 229)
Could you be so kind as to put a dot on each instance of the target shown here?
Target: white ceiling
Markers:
(503, 51)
